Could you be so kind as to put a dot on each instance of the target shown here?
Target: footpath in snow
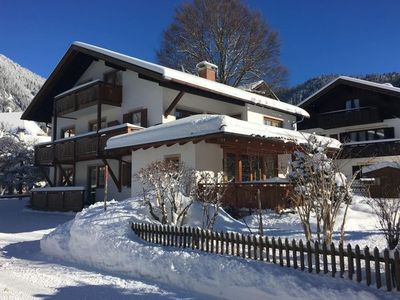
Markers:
(26, 273)
(104, 240)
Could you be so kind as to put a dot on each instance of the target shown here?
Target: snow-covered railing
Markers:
(373, 268)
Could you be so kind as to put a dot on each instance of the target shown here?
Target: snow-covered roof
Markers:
(199, 82)
(381, 165)
(203, 125)
(383, 86)
(13, 121)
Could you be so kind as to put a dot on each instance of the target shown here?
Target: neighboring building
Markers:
(27, 131)
(385, 179)
(363, 115)
(261, 88)
(95, 94)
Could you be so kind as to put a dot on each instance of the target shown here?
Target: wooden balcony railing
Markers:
(341, 118)
(78, 148)
(244, 194)
(88, 95)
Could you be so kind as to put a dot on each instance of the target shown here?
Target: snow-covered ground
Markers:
(104, 241)
(361, 225)
(26, 273)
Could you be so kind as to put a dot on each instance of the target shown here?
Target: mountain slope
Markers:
(300, 92)
(18, 85)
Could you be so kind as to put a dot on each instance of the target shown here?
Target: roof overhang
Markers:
(79, 57)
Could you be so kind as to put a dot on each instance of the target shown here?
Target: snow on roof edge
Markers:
(202, 125)
(199, 82)
(352, 79)
(380, 165)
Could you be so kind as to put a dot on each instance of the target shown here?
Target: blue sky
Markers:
(318, 37)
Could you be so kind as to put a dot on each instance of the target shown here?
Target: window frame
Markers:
(273, 120)
(128, 117)
(67, 129)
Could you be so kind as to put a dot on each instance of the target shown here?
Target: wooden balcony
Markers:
(87, 95)
(390, 147)
(84, 147)
(244, 194)
(342, 118)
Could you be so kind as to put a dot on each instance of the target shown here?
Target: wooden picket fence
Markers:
(369, 267)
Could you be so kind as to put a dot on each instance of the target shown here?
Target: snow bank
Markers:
(105, 241)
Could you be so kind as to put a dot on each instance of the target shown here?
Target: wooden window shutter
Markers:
(144, 118)
(127, 118)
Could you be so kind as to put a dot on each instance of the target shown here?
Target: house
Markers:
(27, 131)
(363, 115)
(385, 179)
(95, 94)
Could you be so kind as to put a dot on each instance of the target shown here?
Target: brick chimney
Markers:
(207, 70)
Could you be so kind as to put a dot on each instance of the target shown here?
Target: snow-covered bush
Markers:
(388, 212)
(318, 187)
(168, 190)
(210, 192)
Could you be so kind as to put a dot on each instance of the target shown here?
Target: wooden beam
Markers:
(114, 178)
(63, 174)
(173, 103)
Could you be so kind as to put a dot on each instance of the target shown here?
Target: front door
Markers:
(92, 182)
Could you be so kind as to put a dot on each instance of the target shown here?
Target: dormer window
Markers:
(352, 104)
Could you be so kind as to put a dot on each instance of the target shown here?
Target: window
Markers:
(269, 121)
(113, 77)
(334, 136)
(181, 113)
(230, 166)
(67, 132)
(175, 159)
(352, 104)
(137, 117)
(367, 135)
(96, 176)
(93, 124)
(237, 116)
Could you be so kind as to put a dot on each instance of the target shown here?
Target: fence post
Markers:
(350, 261)
(333, 259)
(388, 275)
(287, 252)
(280, 251)
(185, 232)
(212, 239)
(301, 250)
(207, 240)
(261, 247)
(243, 246)
(377, 268)
(237, 244)
(358, 264)
(309, 257)
(273, 250)
(316, 254)
(254, 247)
(217, 246)
(232, 238)
(248, 246)
(198, 237)
(397, 268)
(341, 260)
(325, 257)
(202, 237)
(294, 251)
(367, 266)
